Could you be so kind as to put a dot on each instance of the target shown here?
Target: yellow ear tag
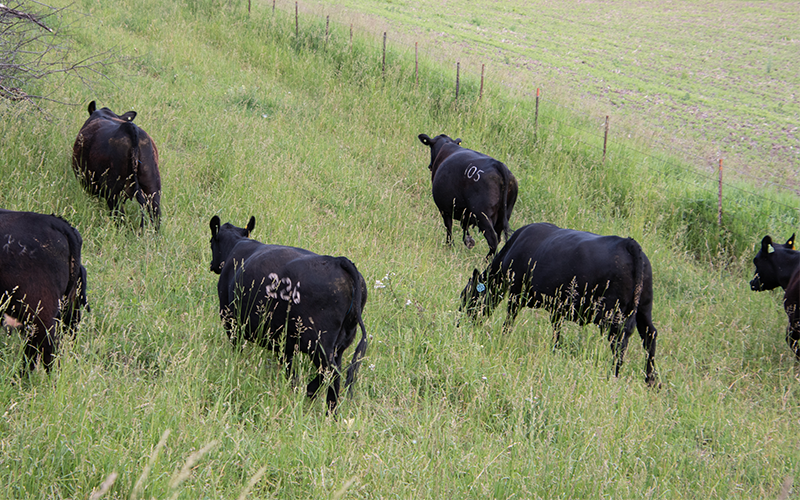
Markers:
(770, 249)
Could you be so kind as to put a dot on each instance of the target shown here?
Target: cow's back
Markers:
(35, 252)
(292, 287)
(42, 280)
(470, 178)
(554, 262)
(102, 155)
(116, 159)
(294, 275)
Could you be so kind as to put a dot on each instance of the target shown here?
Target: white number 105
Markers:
(473, 173)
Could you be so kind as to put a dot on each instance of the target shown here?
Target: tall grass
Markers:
(312, 138)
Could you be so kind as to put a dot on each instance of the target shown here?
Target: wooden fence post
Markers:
(327, 22)
(536, 117)
(458, 71)
(719, 197)
(383, 64)
(273, 7)
(480, 95)
(605, 140)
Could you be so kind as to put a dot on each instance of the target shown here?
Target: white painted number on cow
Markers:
(473, 173)
(283, 289)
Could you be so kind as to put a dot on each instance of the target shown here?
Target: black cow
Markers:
(576, 276)
(42, 281)
(271, 291)
(779, 266)
(470, 187)
(117, 160)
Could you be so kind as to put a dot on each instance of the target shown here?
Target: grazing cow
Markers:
(576, 276)
(470, 187)
(42, 281)
(779, 266)
(115, 159)
(261, 299)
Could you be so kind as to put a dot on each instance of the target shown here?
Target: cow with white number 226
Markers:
(272, 293)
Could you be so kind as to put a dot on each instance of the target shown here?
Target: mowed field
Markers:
(317, 139)
(705, 80)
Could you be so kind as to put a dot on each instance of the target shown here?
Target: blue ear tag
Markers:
(480, 288)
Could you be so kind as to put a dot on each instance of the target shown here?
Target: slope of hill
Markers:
(709, 80)
(317, 138)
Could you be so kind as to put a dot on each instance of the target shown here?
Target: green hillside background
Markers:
(317, 138)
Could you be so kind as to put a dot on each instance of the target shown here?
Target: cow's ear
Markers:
(425, 139)
(92, 107)
(790, 242)
(251, 224)
(129, 116)
(458, 141)
(214, 224)
(766, 244)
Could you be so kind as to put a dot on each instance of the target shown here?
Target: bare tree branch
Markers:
(6, 11)
(34, 47)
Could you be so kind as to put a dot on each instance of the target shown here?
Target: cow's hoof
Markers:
(469, 242)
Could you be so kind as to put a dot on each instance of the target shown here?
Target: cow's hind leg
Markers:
(333, 388)
(618, 336)
(41, 343)
(648, 333)
(793, 337)
(319, 359)
(324, 367)
(514, 305)
(448, 226)
(469, 241)
(288, 356)
(492, 237)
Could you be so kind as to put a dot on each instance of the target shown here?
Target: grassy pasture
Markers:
(709, 80)
(311, 138)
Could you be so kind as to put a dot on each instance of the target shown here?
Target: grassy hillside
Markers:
(319, 143)
(708, 80)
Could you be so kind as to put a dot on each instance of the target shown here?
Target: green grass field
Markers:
(318, 143)
(708, 80)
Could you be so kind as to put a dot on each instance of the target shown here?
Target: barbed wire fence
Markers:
(600, 137)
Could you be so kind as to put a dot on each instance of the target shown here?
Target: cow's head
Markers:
(107, 113)
(475, 296)
(437, 144)
(224, 238)
(775, 264)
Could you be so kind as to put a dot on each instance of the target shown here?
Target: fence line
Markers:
(666, 148)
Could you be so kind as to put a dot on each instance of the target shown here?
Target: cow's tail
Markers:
(355, 310)
(638, 272)
(504, 215)
(75, 293)
(132, 131)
